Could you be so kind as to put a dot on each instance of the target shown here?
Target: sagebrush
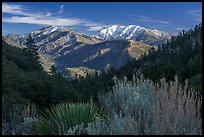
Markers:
(142, 108)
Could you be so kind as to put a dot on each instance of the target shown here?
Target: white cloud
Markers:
(43, 21)
(23, 15)
(36, 18)
(197, 15)
(194, 11)
(180, 28)
(10, 8)
(95, 28)
(61, 9)
(148, 19)
(16, 9)
(48, 14)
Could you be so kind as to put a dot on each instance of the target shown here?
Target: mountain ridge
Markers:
(65, 48)
(135, 32)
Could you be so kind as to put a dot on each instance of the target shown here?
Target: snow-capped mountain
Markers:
(135, 32)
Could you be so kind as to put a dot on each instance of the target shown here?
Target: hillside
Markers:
(23, 81)
(181, 56)
(65, 48)
(97, 56)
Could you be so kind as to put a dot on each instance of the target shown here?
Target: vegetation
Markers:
(181, 56)
(24, 81)
(24, 77)
(140, 104)
(22, 117)
(147, 109)
(60, 118)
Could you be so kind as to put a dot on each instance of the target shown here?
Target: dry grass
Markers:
(177, 110)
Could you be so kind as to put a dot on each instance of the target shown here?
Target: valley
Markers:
(68, 49)
(97, 68)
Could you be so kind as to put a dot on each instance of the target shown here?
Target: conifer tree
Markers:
(32, 47)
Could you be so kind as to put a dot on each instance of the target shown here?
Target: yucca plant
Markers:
(60, 118)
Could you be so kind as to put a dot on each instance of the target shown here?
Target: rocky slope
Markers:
(68, 49)
(98, 56)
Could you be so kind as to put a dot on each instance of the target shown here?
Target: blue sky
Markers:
(90, 17)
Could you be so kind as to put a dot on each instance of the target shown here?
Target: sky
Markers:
(91, 17)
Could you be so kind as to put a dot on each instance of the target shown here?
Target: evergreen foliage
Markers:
(24, 80)
(31, 46)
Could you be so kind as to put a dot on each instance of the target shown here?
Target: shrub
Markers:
(128, 97)
(60, 119)
(142, 108)
(116, 125)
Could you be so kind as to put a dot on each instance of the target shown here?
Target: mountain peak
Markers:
(135, 32)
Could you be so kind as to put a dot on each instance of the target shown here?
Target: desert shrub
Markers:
(142, 108)
(60, 118)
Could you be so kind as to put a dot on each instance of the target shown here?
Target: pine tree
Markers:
(32, 47)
